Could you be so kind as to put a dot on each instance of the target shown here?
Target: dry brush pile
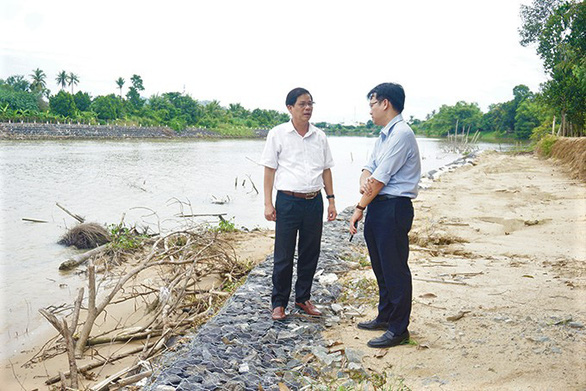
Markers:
(571, 151)
(165, 285)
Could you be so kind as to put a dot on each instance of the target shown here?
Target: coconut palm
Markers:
(72, 80)
(39, 85)
(120, 83)
(61, 79)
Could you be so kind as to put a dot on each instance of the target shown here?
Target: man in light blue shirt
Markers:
(389, 181)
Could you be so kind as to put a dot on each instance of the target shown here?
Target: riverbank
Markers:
(49, 131)
(499, 278)
(499, 271)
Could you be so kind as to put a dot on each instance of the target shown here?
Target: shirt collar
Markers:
(388, 127)
(310, 131)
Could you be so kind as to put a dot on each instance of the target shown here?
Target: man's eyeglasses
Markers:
(305, 104)
(371, 104)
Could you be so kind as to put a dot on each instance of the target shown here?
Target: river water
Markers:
(148, 183)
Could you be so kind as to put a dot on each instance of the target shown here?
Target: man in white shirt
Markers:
(297, 162)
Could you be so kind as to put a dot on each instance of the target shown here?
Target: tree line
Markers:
(21, 99)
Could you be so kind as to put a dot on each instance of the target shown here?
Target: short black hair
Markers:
(294, 94)
(393, 92)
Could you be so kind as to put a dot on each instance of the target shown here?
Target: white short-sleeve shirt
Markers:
(299, 161)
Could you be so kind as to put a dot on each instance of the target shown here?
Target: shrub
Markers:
(545, 145)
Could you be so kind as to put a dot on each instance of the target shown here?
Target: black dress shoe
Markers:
(388, 339)
(373, 325)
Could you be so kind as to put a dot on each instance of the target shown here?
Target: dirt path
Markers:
(502, 307)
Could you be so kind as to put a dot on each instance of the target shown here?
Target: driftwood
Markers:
(66, 332)
(34, 220)
(252, 183)
(77, 217)
(175, 301)
(116, 381)
(130, 380)
(254, 161)
(219, 215)
(122, 338)
(90, 366)
(78, 259)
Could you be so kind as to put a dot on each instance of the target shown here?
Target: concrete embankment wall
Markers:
(36, 131)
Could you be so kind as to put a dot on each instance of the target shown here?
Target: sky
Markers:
(254, 52)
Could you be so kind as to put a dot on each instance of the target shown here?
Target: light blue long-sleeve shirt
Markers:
(395, 160)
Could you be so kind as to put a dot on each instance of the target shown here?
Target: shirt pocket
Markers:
(315, 154)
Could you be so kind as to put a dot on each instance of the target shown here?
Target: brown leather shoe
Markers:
(278, 313)
(309, 308)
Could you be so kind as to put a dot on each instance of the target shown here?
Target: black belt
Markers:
(307, 196)
(384, 197)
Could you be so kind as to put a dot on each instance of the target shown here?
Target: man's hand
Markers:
(270, 213)
(367, 186)
(332, 213)
(356, 217)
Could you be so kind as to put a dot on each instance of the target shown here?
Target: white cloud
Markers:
(254, 52)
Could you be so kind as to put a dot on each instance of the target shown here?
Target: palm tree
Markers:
(120, 83)
(72, 80)
(61, 79)
(39, 84)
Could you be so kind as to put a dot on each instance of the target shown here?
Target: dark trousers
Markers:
(296, 215)
(386, 230)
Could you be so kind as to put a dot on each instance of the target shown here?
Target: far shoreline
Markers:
(45, 131)
(76, 131)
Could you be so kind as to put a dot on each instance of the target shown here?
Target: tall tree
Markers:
(133, 93)
(82, 100)
(61, 79)
(120, 83)
(107, 107)
(558, 28)
(136, 81)
(72, 80)
(62, 104)
(18, 83)
(39, 84)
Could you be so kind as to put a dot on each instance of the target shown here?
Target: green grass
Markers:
(234, 131)
(226, 226)
(125, 238)
(545, 145)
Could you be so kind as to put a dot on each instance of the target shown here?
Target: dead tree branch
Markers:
(77, 217)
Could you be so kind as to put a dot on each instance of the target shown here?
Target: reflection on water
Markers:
(147, 183)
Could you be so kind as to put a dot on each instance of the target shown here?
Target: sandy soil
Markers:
(17, 374)
(502, 307)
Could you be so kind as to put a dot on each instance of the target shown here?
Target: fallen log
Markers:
(78, 259)
(123, 337)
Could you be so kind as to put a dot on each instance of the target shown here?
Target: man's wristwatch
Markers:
(330, 196)
(360, 207)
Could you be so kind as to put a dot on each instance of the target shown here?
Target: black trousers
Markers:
(386, 228)
(296, 216)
